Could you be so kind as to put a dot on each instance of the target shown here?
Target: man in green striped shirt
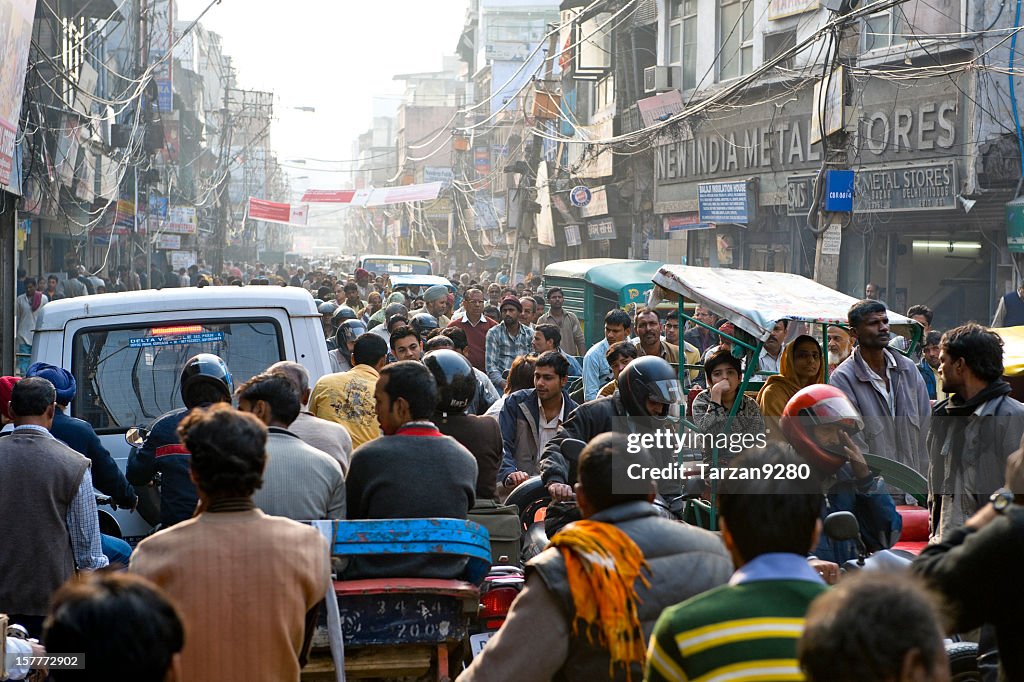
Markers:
(748, 630)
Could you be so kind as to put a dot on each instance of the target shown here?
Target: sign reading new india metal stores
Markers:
(890, 189)
(724, 202)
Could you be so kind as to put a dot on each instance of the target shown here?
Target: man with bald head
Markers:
(331, 437)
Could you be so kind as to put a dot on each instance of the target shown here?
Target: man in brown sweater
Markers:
(254, 629)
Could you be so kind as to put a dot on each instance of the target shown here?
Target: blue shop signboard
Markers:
(725, 202)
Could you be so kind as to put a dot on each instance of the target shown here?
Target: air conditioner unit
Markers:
(660, 78)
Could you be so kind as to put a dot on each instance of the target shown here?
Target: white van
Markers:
(395, 265)
(126, 351)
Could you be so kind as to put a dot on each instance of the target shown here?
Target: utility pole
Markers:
(835, 154)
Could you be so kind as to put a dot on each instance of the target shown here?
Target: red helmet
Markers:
(818, 405)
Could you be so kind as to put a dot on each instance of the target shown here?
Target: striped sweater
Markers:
(734, 633)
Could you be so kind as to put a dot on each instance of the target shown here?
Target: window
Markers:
(884, 29)
(130, 376)
(777, 43)
(682, 42)
(735, 38)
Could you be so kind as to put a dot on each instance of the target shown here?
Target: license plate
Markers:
(477, 642)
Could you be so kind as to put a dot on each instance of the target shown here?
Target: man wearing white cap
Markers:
(436, 298)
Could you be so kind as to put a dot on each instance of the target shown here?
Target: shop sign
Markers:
(598, 204)
(724, 202)
(601, 229)
(572, 235)
(925, 187)
(799, 190)
(580, 196)
(839, 191)
(779, 9)
(679, 222)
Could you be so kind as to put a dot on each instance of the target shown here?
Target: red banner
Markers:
(328, 196)
(260, 209)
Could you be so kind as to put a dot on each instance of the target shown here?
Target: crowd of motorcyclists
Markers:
(442, 399)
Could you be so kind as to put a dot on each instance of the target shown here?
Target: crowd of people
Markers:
(444, 398)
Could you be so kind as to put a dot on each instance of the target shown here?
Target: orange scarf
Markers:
(602, 564)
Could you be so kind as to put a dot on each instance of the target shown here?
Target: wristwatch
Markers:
(1001, 500)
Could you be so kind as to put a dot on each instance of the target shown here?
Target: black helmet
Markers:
(456, 381)
(648, 377)
(205, 370)
(393, 309)
(343, 313)
(327, 308)
(422, 323)
(349, 331)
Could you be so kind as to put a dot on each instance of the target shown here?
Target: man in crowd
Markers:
(80, 436)
(672, 328)
(456, 386)
(649, 342)
(26, 307)
(886, 389)
(475, 325)
(839, 347)
(618, 356)
(596, 372)
(530, 418)
(346, 398)
(299, 481)
(700, 337)
(929, 365)
(494, 294)
(507, 341)
(328, 436)
(73, 288)
(973, 431)
(921, 314)
(592, 576)
(255, 629)
(873, 293)
(352, 299)
(205, 380)
(124, 626)
(568, 324)
(529, 316)
(771, 352)
(436, 301)
(548, 337)
(405, 344)
(413, 471)
(753, 623)
(486, 393)
(48, 521)
(874, 626)
(969, 569)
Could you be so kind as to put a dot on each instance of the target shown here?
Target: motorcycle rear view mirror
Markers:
(571, 449)
(842, 525)
(136, 436)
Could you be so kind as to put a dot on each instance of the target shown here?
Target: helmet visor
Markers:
(835, 410)
(666, 391)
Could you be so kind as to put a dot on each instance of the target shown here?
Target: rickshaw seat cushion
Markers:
(404, 537)
(452, 588)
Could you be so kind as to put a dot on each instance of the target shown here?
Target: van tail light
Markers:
(495, 605)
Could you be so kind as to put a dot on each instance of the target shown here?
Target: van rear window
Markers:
(129, 376)
(396, 267)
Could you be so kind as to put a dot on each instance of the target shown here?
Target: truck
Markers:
(126, 351)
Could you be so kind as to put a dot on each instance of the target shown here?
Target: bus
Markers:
(395, 265)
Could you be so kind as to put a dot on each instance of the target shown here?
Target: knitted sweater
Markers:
(735, 632)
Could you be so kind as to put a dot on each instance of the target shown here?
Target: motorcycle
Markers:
(843, 526)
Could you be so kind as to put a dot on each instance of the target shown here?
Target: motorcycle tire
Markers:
(109, 525)
(963, 662)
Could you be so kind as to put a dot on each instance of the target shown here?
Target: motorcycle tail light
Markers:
(495, 605)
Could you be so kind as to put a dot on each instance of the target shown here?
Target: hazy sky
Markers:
(335, 55)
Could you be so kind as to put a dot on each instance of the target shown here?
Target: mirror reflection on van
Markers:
(136, 436)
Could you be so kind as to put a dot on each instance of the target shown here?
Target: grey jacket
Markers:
(901, 438)
(684, 562)
(992, 433)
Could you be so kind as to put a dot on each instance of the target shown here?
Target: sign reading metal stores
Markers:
(724, 202)
(175, 340)
(920, 187)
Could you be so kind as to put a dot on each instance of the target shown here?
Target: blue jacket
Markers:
(163, 452)
(929, 378)
(871, 503)
(519, 420)
(106, 477)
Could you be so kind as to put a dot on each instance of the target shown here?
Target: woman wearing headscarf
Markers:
(800, 366)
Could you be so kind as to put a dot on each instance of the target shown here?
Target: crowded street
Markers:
(511, 340)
